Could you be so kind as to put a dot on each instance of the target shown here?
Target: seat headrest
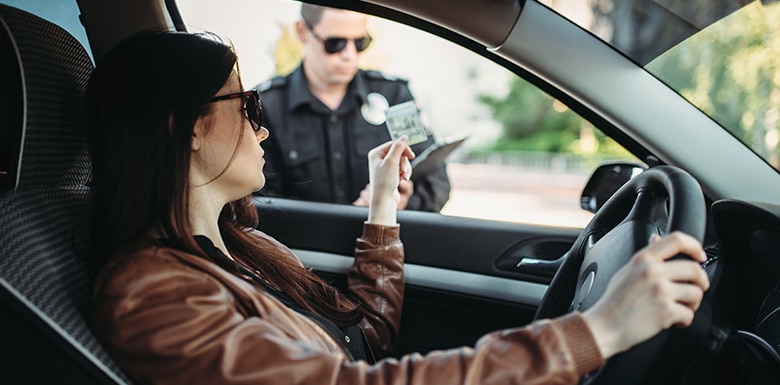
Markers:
(48, 75)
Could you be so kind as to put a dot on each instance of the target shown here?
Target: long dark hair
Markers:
(142, 101)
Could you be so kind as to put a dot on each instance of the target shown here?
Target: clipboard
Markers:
(434, 156)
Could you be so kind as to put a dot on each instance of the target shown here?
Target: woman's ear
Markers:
(198, 134)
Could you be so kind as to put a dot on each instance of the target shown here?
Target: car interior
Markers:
(451, 298)
(46, 289)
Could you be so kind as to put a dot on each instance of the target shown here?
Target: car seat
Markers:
(44, 284)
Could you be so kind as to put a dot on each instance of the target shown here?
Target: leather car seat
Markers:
(44, 285)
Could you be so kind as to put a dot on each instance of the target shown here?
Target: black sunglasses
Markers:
(251, 106)
(337, 44)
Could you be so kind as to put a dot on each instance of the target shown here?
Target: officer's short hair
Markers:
(311, 13)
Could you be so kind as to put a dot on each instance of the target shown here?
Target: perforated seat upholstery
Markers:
(44, 284)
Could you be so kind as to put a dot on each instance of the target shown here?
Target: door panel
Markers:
(461, 274)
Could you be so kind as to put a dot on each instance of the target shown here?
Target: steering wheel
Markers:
(660, 200)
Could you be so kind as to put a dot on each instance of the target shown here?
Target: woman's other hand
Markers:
(388, 164)
(649, 294)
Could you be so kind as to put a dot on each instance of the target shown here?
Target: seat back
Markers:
(44, 284)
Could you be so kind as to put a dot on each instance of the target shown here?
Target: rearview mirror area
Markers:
(605, 180)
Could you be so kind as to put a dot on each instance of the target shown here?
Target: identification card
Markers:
(403, 119)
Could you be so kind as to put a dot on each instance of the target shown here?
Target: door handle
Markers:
(535, 259)
(540, 267)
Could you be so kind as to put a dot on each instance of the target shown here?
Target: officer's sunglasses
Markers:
(251, 106)
(337, 44)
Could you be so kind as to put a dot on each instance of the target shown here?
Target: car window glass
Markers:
(736, 78)
(64, 13)
(723, 56)
(527, 156)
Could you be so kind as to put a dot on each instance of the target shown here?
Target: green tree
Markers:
(732, 72)
(529, 120)
(534, 121)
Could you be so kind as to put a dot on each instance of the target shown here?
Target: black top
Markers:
(350, 337)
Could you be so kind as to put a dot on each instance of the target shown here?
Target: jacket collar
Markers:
(299, 93)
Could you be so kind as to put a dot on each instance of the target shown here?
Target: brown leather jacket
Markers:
(169, 317)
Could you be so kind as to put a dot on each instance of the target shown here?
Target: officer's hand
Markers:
(406, 189)
(364, 198)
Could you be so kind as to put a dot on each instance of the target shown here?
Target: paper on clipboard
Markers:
(434, 156)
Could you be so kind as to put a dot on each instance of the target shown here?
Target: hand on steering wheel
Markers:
(659, 201)
(650, 294)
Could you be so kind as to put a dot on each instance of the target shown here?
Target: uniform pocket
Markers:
(302, 147)
(365, 138)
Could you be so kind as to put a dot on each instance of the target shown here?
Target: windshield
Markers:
(721, 55)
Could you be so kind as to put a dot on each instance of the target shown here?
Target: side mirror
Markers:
(604, 181)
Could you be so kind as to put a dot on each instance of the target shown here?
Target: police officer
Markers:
(327, 114)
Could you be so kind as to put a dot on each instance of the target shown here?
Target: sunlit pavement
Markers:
(516, 195)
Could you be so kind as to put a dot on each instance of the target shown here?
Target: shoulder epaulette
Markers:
(274, 82)
(372, 74)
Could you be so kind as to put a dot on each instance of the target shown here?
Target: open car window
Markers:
(527, 156)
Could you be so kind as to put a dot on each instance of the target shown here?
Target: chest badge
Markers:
(373, 110)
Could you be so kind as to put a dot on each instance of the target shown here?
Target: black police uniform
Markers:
(318, 154)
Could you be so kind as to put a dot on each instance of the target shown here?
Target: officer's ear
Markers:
(302, 30)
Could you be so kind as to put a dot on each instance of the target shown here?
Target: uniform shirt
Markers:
(318, 154)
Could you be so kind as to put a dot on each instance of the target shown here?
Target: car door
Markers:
(462, 274)
(485, 261)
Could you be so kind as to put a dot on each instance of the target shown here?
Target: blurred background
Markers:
(527, 157)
